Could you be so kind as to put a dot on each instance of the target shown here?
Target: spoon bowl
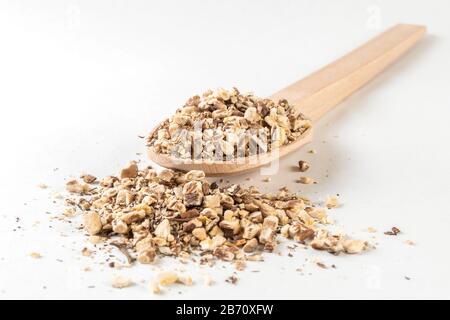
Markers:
(314, 96)
(229, 167)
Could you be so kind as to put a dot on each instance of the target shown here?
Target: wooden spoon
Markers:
(315, 95)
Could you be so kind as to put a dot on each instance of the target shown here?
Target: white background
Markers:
(80, 80)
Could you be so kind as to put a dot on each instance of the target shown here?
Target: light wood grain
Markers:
(324, 89)
(315, 95)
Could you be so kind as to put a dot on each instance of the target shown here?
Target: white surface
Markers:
(80, 80)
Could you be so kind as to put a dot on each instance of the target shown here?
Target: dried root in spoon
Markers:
(227, 124)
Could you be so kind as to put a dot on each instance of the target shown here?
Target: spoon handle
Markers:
(324, 89)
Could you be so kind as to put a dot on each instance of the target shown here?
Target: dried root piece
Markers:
(92, 222)
(193, 193)
(119, 226)
(129, 172)
(337, 243)
(306, 180)
(87, 178)
(251, 245)
(332, 202)
(232, 279)
(163, 230)
(96, 239)
(73, 186)
(354, 246)
(69, 212)
(147, 256)
(303, 166)
(120, 282)
(268, 229)
(393, 232)
(199, 233)
(35, 255)
(240, 265)
(167, 278)
(86, 252)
